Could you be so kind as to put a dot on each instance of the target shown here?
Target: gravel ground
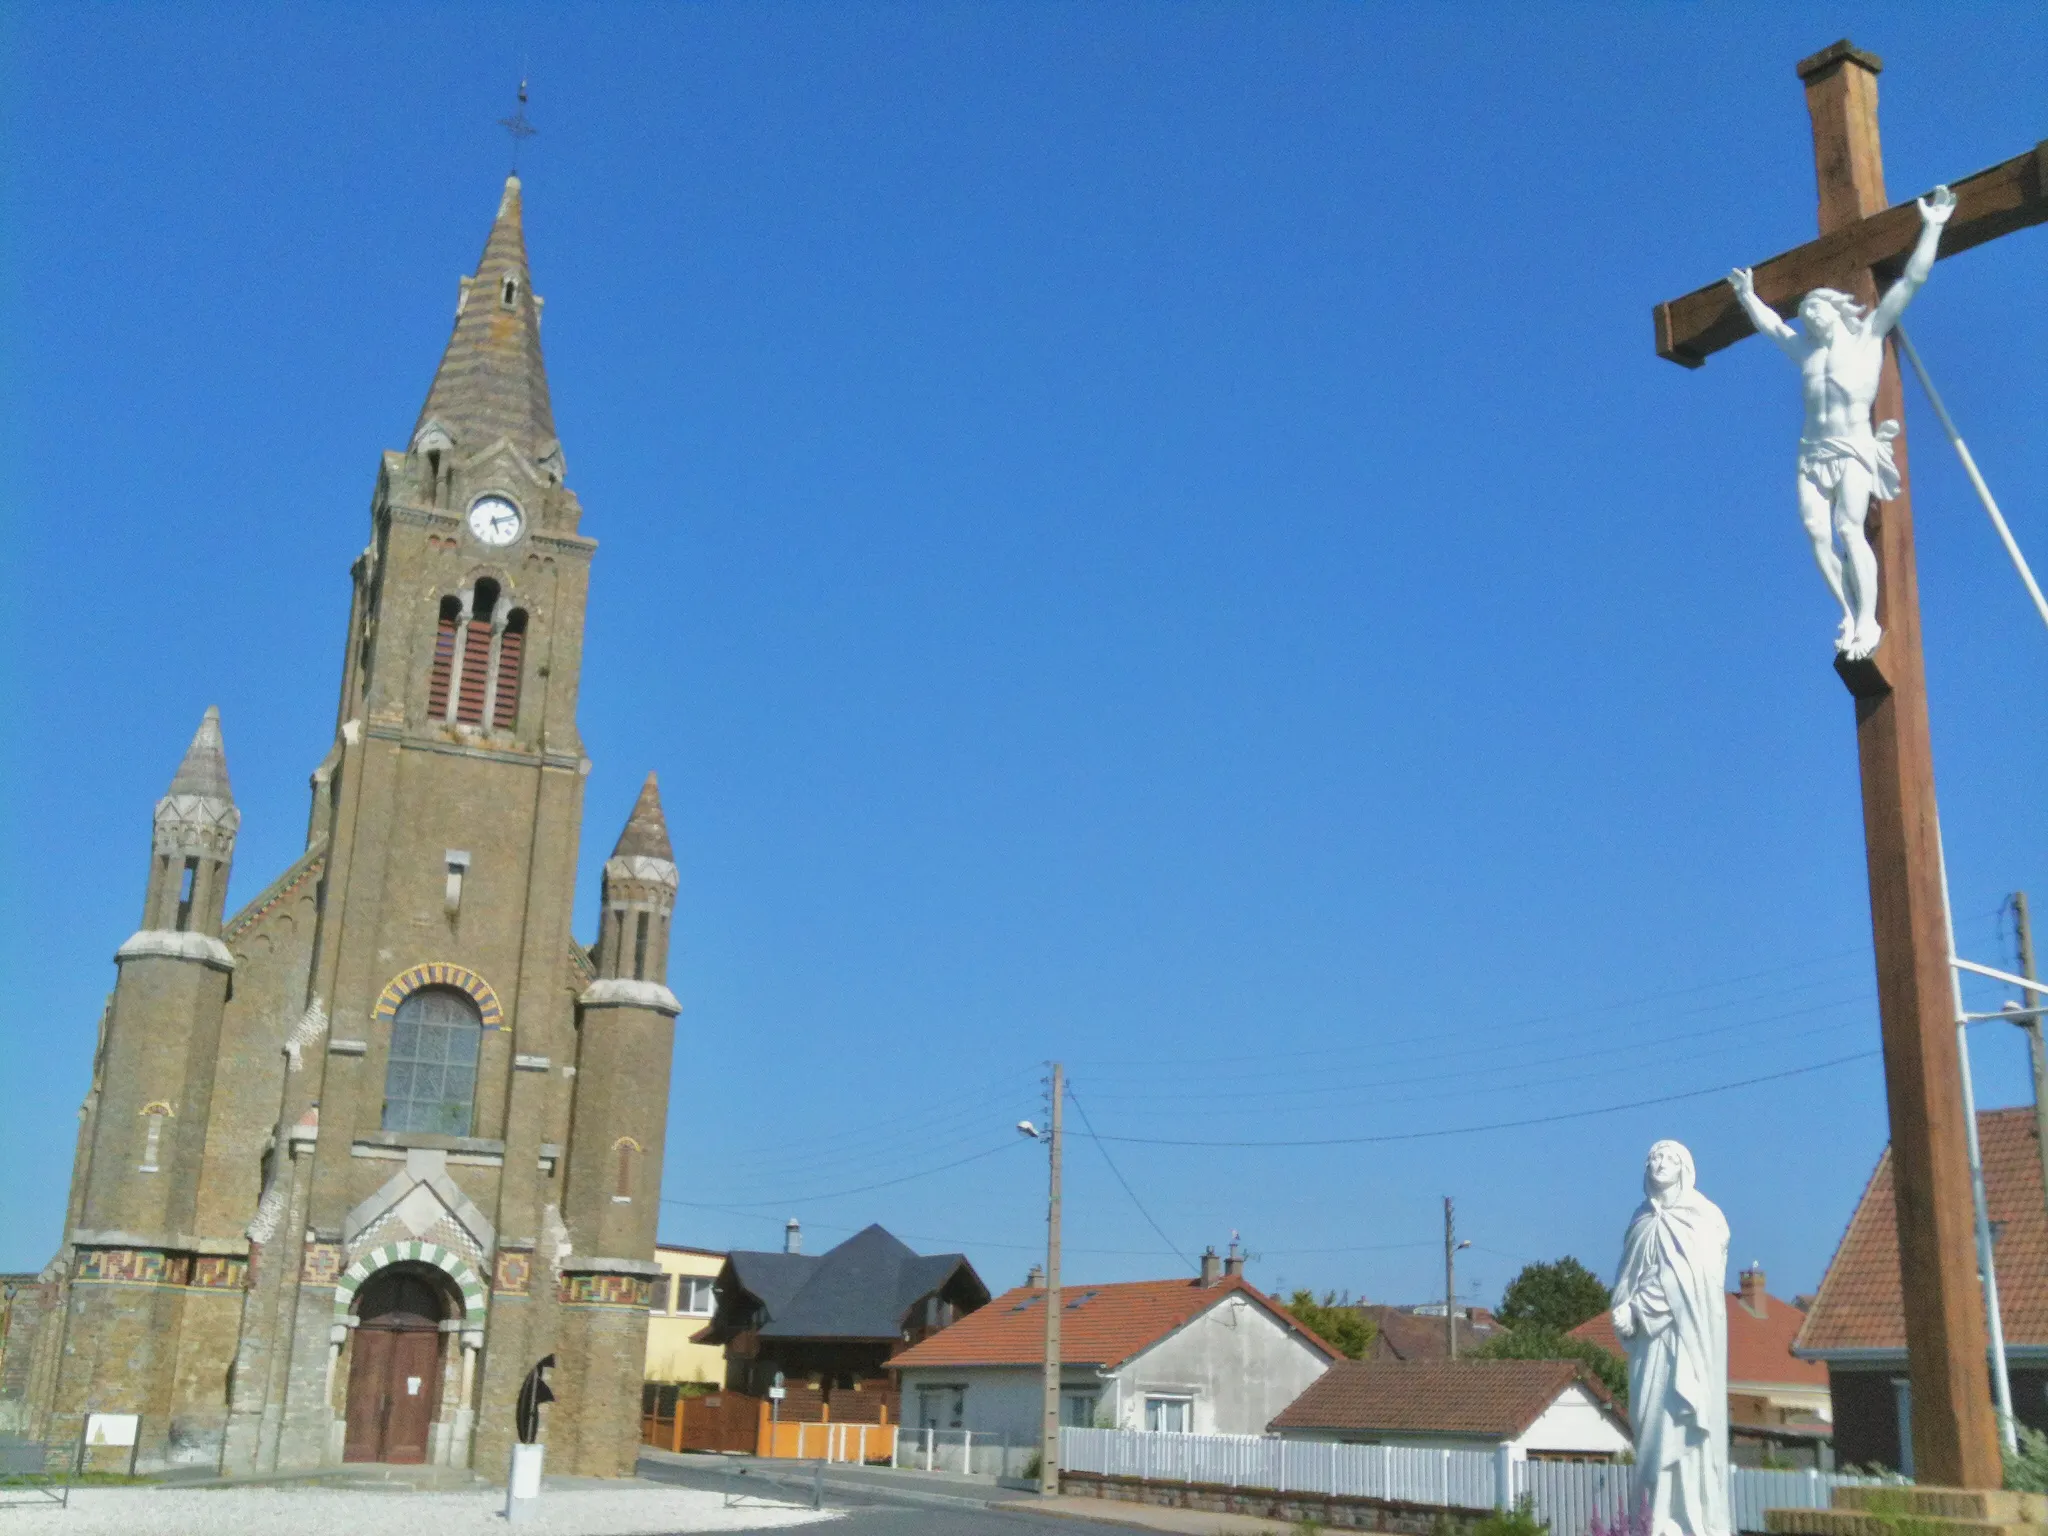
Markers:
(634, 1511)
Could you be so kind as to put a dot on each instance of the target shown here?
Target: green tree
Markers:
(1533, 1341)
(1561, 1296)
(1337, 1322)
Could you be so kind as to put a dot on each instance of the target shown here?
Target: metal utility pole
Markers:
(1049, 1439)
(2035, 1046)
(1451, 1247)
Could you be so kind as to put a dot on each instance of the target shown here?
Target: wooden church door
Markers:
(394, 1373)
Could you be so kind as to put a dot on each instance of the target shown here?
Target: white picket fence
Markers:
(1567, 1495)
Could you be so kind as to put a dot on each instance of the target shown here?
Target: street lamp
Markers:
(1049, 1429)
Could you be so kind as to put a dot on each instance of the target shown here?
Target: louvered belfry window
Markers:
(443, 670)
(511, 656)
(474, 692)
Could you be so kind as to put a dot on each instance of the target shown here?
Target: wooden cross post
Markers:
(1863, 241)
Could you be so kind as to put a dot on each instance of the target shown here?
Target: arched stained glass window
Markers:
(430, 1084)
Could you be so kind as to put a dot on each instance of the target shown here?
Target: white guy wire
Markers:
(1970, 468)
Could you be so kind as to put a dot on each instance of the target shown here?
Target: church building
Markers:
(360, 1154)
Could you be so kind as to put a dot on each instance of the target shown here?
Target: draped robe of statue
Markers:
(1670, 1293)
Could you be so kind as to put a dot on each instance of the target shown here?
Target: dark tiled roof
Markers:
(1402, 1335)
(646, 830)
(1496, 1398)
(492, 382)
(863, 1289)
(1099, 1324)
(1859, 1307)
(1759, 1348)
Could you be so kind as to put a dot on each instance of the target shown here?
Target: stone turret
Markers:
(194, 845)
(626, 1037)
(134, 1248)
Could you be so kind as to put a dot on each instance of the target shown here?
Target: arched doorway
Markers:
(395, 1365)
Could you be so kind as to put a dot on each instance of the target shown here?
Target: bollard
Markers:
(818, 1487)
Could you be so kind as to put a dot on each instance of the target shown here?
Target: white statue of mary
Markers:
(1671, 1310)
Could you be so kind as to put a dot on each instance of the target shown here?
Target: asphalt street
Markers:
(875, 1502)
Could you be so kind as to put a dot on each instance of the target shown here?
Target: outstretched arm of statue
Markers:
(1761, 315)
(1935, 209)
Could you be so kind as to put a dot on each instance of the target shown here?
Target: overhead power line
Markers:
(1089, 1126)
(1498, 1125)
(858, 1189)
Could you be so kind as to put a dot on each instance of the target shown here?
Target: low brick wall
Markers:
(1337, 1511)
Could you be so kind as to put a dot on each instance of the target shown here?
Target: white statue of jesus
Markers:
(1842, 461)
(1671, 1310)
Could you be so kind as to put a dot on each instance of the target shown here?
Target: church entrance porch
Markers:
(395, 1367)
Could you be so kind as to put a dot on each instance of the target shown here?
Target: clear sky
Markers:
(1151, 535)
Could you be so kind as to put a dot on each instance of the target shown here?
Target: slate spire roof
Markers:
(492, 382)
(646, 830)
(205, 768)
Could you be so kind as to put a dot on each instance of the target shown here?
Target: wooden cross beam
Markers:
(1863, 239)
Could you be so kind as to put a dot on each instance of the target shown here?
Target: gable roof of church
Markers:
(492, 382)
(646, 831)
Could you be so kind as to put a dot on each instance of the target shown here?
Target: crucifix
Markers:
(1863, 242)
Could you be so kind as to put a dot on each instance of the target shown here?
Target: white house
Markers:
(1211, 1356)
(1540, 1409)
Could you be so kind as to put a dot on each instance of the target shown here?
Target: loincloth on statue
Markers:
(1822, 460)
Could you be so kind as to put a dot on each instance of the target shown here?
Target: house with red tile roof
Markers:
(1553, 1410)
(1857, 1326)
(1211, 1355)
(1779, 1409)
(1417, 1333)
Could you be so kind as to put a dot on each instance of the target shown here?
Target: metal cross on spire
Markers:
(518, 126)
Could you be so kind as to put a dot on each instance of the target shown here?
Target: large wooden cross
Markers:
(1864, 241)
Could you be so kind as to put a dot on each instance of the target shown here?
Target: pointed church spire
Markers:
(646, 833)
(492, 382)
(205, 768)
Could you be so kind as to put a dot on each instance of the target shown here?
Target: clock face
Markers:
(494, 520)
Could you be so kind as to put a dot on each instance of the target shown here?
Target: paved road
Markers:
(896, 1503)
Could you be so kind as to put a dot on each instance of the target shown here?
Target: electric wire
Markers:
(1498, 1125)
(1090, 1125)
(861, 1189)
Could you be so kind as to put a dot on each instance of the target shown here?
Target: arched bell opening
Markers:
(399, 1362)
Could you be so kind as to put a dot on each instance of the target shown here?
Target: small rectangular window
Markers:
(694, 1295)
(1170, 1415)
(1077, 1409)
(640, 948)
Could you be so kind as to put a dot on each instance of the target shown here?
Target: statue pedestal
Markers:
(1892, 1509)
(522, 1492)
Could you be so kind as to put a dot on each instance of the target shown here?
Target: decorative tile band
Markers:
(321, 1264)
(515, 1272)
(440, 973)
(607, 1290)
(133, 1266)
(219, 1272)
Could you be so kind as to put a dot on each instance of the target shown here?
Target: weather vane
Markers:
(518, 127)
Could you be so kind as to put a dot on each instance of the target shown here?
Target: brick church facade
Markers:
(357, 1156)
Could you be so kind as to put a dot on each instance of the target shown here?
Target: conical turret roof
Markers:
(492, 382)
(646, 834)
(205, 768)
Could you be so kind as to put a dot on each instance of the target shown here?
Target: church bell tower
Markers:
(361, 1153)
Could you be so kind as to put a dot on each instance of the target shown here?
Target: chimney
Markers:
(1753, 1297)
(792, 1236)
(1036, 1279)
(1212, 1267)
(1233, 1262)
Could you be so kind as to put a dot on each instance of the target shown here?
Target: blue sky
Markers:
(1151, 535)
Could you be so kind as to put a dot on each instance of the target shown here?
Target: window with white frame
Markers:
(694, 1297)
(1077, 1409)
(941, 1407)
(1170, 1415)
